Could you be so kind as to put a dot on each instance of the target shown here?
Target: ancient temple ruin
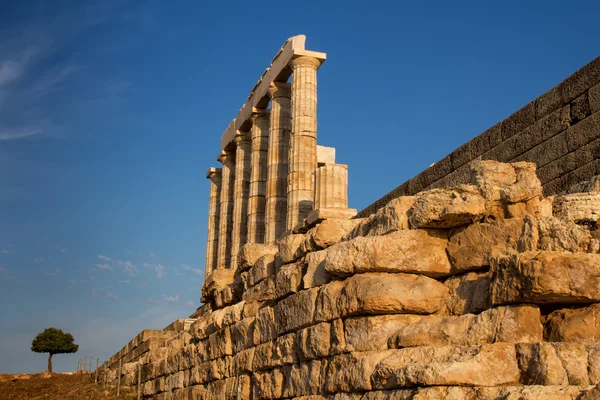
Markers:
(477, 279)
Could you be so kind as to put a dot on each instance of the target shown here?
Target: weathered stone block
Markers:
(409, 251)
(275, 353)
(352, 372)
(580, 108)
(518, 121)
(267, 385)
(503, 324)
(581, 80)
(296, 311)
(289, 279)
(578, 207)
(217, 280)
(315, 270)
(562, 235)
(553, 363)
(472, 247)
(314, 342)
(594, 98)
(250, 253)
(574, 325)
(392, 217)
(372, 332)
(488, 365)
(219, 344)
(447, 208)
(545, 278)
(265, 328)
(242, 334)
(263, 268)
(304, 380)
(583, 132)
(548, 102)
(327, 233)
(290, 248)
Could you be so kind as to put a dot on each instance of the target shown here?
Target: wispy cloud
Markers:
(7, 251)
(171, 299)
(61, 249)
(158, 268)
(51, 273)
(18, 133)
(196, 271)
(125, 282)
(100, 293)
(6, 275)
(129, 268)
(111, 295)
(38, 259)
(152, 301)
(189, 303)
(104, 258)
(104, 267)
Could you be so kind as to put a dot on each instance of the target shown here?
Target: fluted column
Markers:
(331, 186)
(278, 161)
(303, 152)
(212, 241)
(241, 193)
(227, 158)
(258, 178)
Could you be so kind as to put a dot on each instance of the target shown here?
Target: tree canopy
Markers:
(53, 341)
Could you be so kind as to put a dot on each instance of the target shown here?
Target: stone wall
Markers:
(559, 131)
(481, 291)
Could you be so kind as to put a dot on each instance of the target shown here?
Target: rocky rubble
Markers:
(482, 291)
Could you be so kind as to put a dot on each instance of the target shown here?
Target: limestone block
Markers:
(276, 353)
(487, 365)
(327, 233)
(490, 176)
(553, 363)
(392, 217)
(242, 334)
(409, 251)
(315, 270)
(289, 279)
(338, 337)
(574, 325)
(296, 311)
(481, 393)
(314, 342)
(372, 332)
(546, 277)
(265, 328)
(250, 253)
(593, 350)
(578, 207)
(447, 208)
(562, 235)
(263, 267)
(242, 361)
(219, 344)
(317, 216)
(290, 248)
(352, 372)
(527, 185)
(304, 379)
(472, 247)
(325, 155)
(503, 324)
(267, 385)
(469, 294)
(217, 280)
(262, 291)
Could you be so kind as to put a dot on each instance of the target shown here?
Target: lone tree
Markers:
(53, 341)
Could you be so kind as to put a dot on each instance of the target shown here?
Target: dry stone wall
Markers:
(486, 290)
(559, 131)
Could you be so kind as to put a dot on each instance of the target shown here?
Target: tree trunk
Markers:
(50, 362)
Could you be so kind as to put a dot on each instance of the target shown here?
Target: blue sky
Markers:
(111, 113)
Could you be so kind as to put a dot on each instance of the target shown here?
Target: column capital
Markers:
(242, 136)
(259, 112)
(214, 173)
(305, 61)
(225, 156)
(280, 89)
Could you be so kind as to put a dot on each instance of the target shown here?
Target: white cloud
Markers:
(12, 134)
(111, 295)
(6, 251)
(171, 299)
(158, 268)
(6, 274)
(38, 260)
(125, 282)
(189, 303)
(152, 255)
(51, 273)
(129, 268)
(152, 301)
(196, 271)
(104, 258)
(104, 267)
(62, 250)
(103, 293)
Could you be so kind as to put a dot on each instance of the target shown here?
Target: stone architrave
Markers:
(303, 154)
(212, 242)
(278, 161)
(240, 194)
(331, 186)
(227, 158)
(258, 177)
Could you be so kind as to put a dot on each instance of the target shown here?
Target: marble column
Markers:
(278, 161)
(227, 158)
(331, 186)
(258, 178)
(241, 193)
(303, 152)
(212, 241)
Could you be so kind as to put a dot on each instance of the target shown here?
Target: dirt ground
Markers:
(57, 387)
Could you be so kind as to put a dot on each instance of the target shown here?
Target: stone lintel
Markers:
(325, 155)
(317, 216)
(212, 172)
(278, 71)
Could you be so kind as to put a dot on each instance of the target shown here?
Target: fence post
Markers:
(119, 379)
(91, 359)
(139, 382)
(84, 364)
(96, 378)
